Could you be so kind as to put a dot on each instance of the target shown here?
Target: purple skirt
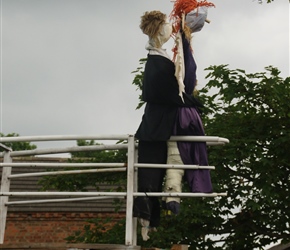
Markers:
(188, 122)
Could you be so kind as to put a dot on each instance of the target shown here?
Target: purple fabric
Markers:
(190, 68)
(188, 122)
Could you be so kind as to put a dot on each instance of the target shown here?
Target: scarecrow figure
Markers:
(190, 16)
(161, 93)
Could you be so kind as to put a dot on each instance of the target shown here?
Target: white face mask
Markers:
(164, 34)
(196, 18)
(166, 31)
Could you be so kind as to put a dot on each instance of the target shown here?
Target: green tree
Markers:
(138, 79)
(82, 182)
(15, 146)
(94, 232)
(253, 111)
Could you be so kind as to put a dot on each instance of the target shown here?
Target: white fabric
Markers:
(165, 33)
(156, 51)
(173, 182)
(196, 18)
(144, 229)
(179, 64)
(155, 44)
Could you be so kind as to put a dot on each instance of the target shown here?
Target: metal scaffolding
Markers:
(131, 168)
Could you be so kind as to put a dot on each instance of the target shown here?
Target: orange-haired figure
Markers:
(190, 17)
(161, 93)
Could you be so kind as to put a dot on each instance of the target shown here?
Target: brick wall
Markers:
(52, 222)
(42, 227)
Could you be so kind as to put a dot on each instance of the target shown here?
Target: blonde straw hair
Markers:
(151, 22)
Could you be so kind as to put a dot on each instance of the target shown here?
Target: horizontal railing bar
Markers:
(180, 194)
(77, 149)
(47, 194)
(5, 147)
(66, 172)
(199, 139)
(63, 138)
(207, 143)
(106, 137)
(211, 140)
(146, 165)
(111, 194)
(55, 165)
(79, 246)
(60, 200)
(66, 150)
(104, 165)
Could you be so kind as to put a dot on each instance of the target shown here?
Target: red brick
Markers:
(47, 227)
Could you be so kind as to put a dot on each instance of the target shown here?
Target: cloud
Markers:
(67, 64)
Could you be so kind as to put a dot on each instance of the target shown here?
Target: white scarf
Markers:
(156, 51)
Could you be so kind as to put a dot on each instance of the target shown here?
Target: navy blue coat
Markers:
(161, 94)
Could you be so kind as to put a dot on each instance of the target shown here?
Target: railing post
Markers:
(135, 190)
(129, 237)
(5, 186)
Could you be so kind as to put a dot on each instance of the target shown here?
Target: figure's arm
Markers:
(160, 85)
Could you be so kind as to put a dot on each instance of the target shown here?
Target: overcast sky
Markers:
(66, 64)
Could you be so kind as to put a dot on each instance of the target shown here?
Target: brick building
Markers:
(48, 222)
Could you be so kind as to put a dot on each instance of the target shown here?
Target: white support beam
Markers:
(146, 165)
(71, 194)
(62, 138)
(129, 236)
(61, 200)
(212, 139)
(119, 194)
(66, 150)
(61, 165)
(135, 222)
(66, 172)
(5, 147)
(5, 186)
(180, 194)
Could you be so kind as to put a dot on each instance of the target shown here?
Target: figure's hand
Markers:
(196, 18)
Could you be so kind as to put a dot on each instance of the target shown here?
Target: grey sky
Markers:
(66, 64)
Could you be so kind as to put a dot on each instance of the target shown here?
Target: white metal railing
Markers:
(131, 167)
